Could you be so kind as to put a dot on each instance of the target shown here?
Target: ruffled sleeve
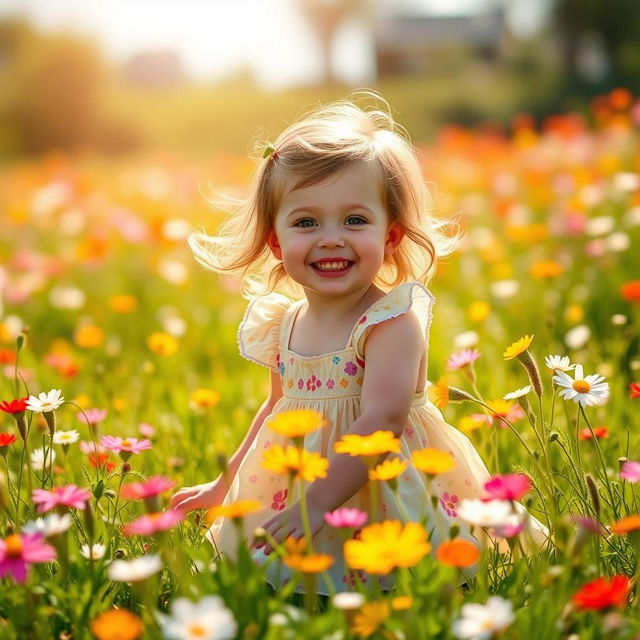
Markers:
(259, 331)
(411, 295)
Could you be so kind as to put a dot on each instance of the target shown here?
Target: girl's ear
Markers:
(274, 245)
(395, 233)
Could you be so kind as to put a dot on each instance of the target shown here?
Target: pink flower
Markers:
(448, 502)
(346, 518)
(279, 500)
(151, 523)
(151, 487)
(510, 486)
(145, 429)
(126, 445)
(90, 448)
(93, 416)
(17, 551)
(462, 359)
(630, 471)
(69, 496)
(510, 529)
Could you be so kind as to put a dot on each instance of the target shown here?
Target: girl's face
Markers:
(332, 237)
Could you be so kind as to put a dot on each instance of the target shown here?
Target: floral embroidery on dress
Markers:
(335, 359)
(344, 382)
(351, 368)
(300, 383)
(448, 502)
(362, 320)
(280, 500)
(253, 478)
(290, 383)
(330, 383)
(313, 383)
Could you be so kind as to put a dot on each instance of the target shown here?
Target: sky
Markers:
(215, 38)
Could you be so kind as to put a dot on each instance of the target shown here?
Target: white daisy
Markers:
(493, 513)
(38, 458)
(96, 552)
(518, 393)
(587, 390)
(134, 570)
(45, 402)
(348, 600)
(51, 525)
(207, 619)
(480, 621)
(66, 437)
(558, 363)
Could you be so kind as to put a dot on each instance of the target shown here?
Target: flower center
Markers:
(13, 546)
(126, 443)
(581, 386)
(197, 631)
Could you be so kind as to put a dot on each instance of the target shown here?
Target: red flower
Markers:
(599, 432)
(634, 387)
(7, 356)
(14, 406)
(630, 291)
(601, 594)
(6, 439)
(102, 460)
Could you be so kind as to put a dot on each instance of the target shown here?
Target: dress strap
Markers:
(286, 326)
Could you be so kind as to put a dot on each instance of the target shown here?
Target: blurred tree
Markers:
(326, 17)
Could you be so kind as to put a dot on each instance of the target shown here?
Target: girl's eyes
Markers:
(309, 222)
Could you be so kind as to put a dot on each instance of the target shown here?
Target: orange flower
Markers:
(123, 303)
(375, 444)
(626, 525)
(370, 618)
(441, 393)
(388, 470)
(630, 291)
(204, 398)
(433, 461)
(88, 336)
(598, 432)
(237, 509)
(401, 603)
(117, 624)
(298, 463)
(457, 553)
(162, 343)
(314, 563)
(546, 269)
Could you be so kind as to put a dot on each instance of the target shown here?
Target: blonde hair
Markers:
(327, 140)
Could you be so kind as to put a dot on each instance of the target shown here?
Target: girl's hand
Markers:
(200, 496)
(288, 523)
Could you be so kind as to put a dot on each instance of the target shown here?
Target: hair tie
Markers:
(270, 151)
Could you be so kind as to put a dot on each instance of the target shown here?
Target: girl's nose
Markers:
(331, 239)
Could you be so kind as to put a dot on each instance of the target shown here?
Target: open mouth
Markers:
(332, 266)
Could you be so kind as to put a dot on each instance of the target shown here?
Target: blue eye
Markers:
(351, 220)
(304, 222)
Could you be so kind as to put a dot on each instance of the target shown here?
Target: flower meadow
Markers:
(120, 382)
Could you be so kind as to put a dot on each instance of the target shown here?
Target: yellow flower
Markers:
(574, 314)
(440, 392)
(237, 509)
(119, 404)
(388, 470)
(83, 400)
(518, 347)
(297, 423)
(478, 311)
(123, 303)
(401, 603)
(117, 624)
(546, 269)
(386, 545)
(204, 398)
(433, 461)
(162, 343)
(375, 444)
(314, 563)
(295, 462)
(88, 336)
(370, 618)
(469, 423)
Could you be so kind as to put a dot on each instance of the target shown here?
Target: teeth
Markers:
(332, 266)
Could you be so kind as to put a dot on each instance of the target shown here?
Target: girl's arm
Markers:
(212, 493)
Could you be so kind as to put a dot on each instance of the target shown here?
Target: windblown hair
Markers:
(327, 140)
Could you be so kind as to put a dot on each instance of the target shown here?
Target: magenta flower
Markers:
(462, 359)
(125, 446)
(630, 471)
(151, 523)
(69, 496)
(17, 551)
(510, 486)
(93, 416)
(147, 489)
(510, 529)
(346, 518)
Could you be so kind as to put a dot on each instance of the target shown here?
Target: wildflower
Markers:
(520, 350)
(14, 406)
(45, 402)
(626, 525)
(69, 496)
(149, 488)
(207, 619)
(98, 460)
(502, 410)
(125, 446)
(40, 457)
(18, 551)
(96, 552)
(588, 391)
(386, 545)
(602, 593)
(313, 563)
(123, 303)
(88, 336)
(66, 437)
(598, 432)
(390, 469)
(375, 444)
(510, 486)
(6, 439)
(151, 523)
(146, 429)
(93, 416)
(441, 393)
(630, 291)
(480, 621)
(510, 527)
(485, 514)
(433, 461)
(296, 423)
(346, 517)
(401, 603)
(630, 471)
(546, 269)
(162, 344)
(49, 526)
(233, 510)
(371, 618)
(457, 553)
(518, 393)
(478, 311)
(577, 337)
(134, 570)
(517, 348)
(473, 422)
(558, 363)
(204, 399)
(348, 600)
(298, 463)
(117, 624)
(462, 359)
(634, 388)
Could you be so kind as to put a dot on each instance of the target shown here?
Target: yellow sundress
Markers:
(330, 383)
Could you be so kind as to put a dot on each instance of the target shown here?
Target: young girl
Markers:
(338, 216)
